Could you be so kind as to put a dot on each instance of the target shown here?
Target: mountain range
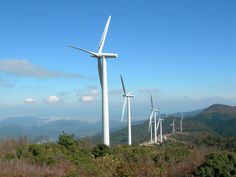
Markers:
(37, 128)
(218, 119)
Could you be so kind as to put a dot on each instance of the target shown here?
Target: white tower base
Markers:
(105, 107)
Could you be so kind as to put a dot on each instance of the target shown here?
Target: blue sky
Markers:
(182, 52)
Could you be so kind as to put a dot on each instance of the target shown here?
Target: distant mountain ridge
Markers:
(216, 119)
(220, 108)
(34, 127)
(26, 121)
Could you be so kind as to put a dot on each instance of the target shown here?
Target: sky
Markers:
(181, 52)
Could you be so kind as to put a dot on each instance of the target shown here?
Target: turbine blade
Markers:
(152, 102)
(150, 121)
(104, 34)
(123, 85)
(100, 70)
(123, 110)
(158, 123)
(84, 50)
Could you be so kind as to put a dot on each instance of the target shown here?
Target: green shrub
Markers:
(222, 165)
(22, 152)
(68, 141)
(9, 156)
(101, 150)
(42, 154)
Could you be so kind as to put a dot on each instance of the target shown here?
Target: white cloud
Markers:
(52, 99)
(87, 98)
(24, 68)
(149, 91)
(30, 100)
(90, 97)
(94, 92)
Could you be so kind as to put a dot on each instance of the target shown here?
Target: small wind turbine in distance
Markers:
(150, 129)
(181, 122)
(160, 124)
(153, 115)
(127, 97)
(173, 125)
(102, 71)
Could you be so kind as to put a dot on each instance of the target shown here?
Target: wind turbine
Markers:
(102, 71)
(181, 122)
(159, 123)
(153, 115)
(127, 97)
(173, 125)
(150, 127)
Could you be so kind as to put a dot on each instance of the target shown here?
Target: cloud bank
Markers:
(53, 99)
(24, 68)
(91, 96)
(30, 100)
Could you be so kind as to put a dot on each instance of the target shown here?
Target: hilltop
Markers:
(220, 108)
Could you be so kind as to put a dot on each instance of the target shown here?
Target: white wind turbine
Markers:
(127, 97)
(181, 122)
(173, 125)
(153, 115)
(159, 123)
(102, 71)
(150, 129)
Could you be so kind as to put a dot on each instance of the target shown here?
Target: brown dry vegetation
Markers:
(71, 158)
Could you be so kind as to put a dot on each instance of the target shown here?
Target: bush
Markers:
(101, 150)
(22, 152)
(41, 154)
(223, 165)
(9, 156)
(68, 141)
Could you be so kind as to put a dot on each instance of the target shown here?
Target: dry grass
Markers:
(21, 168)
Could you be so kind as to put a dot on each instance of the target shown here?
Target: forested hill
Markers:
(216, 120)
(221, 118)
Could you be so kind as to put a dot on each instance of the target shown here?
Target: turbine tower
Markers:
(181, 122)
(160, 124)
(173, 125)
(127, 97)
(153, 115)
(150, 129)
(102, 71)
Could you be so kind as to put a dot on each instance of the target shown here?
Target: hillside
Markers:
(71, 158)
(220, 108)
(141, 134)
(221, 118)
(215, 120)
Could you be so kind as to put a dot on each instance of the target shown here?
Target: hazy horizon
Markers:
(181, 52)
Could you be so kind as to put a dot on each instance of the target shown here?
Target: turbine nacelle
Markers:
(106, 55)
(95, 54)
(128, 95)
(155, 110)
